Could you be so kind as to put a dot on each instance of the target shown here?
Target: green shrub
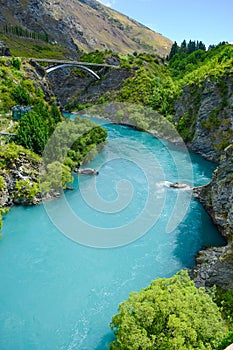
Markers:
(170, 314)
(21, 96)
(2, 183)
(16, 62)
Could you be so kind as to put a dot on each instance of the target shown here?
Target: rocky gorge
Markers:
(205, 113)
(211, 130)
(180, 94)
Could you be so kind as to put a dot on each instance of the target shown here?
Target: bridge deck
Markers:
(3, 133)
(54, 61)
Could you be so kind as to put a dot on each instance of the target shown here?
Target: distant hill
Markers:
(79, 25)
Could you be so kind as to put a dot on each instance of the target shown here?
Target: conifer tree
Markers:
(174, 50)
(183, 47)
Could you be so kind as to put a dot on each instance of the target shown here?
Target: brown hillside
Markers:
(83, 25)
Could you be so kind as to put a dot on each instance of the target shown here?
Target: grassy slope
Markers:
(23, 47)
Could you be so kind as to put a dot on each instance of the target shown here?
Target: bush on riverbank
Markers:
(169, 314)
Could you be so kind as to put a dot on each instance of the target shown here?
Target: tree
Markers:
(201, 46)
(183, 46)
(56, 176)
(33, 132)
(21, 95)
(170, 314)
(191, 46)
(16, 62)
(174, 50)
(36, 126)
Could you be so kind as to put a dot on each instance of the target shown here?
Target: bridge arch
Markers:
(90, 71)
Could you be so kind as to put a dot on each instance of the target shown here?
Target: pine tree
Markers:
(174, 50)
(201, 46)
(191, 46)
(183, 47)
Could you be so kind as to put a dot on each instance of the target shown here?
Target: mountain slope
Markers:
(82, 25)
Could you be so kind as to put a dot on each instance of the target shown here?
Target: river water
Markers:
(67, 265)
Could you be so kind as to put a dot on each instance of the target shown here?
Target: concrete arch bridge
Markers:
(58, 64)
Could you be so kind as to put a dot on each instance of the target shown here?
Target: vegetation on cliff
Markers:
(195, 67)
(157, 84)
(24, 174)
(193, 90)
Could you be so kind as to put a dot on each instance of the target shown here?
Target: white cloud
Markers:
(108, 3)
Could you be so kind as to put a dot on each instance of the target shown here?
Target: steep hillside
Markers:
(203, 115)
(80, 25)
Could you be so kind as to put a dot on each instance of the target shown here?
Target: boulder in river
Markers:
(86, 171)
(180, 185)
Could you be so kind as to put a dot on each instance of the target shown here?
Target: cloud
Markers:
(108, 3)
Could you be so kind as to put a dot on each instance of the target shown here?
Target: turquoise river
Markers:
(59, 293)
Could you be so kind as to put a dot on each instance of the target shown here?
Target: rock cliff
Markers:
(4, 49)
(72, 88)
(205, 116)
(19, 183)
(215, 265)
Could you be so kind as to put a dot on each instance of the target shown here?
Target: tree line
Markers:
(185, 47)
(25, 33)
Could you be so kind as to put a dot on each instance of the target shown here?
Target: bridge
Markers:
(57, 64)
(3, 133)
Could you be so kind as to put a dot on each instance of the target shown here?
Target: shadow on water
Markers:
(105, 341)
(193, 235)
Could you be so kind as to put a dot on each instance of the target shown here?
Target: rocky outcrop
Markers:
(217, 197)
(205, 116)
(86, 171)
(180, 185)
(20, 181)
(69, 87)
(215, 265)
(4, 49)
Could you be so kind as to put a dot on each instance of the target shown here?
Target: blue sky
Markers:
(210, 21)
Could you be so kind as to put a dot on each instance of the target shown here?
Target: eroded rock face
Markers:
(69, 87)
(215, 265)
(4, 50)
(217, 197)
(20, 169)
(207, 112)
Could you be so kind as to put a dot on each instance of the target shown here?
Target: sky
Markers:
(209, 21)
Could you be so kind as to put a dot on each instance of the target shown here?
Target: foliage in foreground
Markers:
(224, 299)
(170, 314)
